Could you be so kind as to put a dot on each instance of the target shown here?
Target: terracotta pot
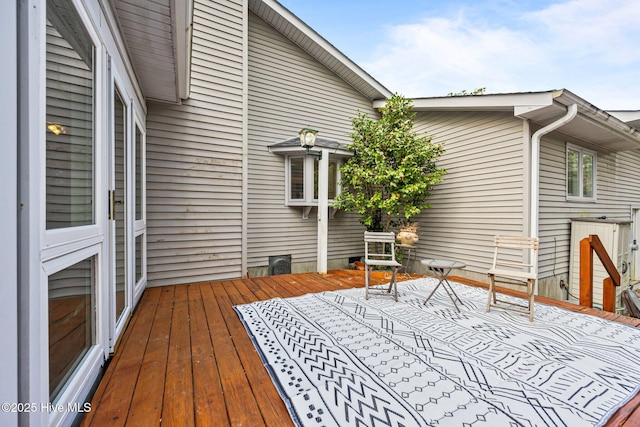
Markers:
(409, 238)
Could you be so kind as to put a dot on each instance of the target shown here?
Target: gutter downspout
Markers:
(572, 112)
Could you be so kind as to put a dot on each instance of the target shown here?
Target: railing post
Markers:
(586, 273)
(608, 295)
(587, 246)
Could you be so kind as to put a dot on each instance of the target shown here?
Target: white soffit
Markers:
(157, 36)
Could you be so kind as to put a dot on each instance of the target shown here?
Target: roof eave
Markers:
(183, 22)
(629, 135)
(315, 45)
(292, 147)
(543, 108)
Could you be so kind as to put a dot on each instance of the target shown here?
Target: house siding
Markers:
(484, 192)
(194, 159)
(617, 193)
(289, 90)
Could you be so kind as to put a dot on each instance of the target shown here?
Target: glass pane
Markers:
(316, 163)
(119, 135)
(573, 182)
(139, 243)
(333, 179)
(69, 111)
(296, 177)
(587, 175)
(71, 321)
(138, 143)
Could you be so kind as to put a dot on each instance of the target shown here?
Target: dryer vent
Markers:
(279, 264)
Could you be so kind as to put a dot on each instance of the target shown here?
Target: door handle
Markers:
(112, 205)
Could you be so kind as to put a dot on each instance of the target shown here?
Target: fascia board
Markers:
(520, 102)
(307, 32)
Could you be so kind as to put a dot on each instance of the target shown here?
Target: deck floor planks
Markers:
(242, 408)
(254, 289)
(267, 397)
(146, 403)
(110, 405)
(229, 385)
(177, 405)
(208, 399)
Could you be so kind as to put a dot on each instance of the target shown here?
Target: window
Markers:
(581, 173)
(296, 178)
(71, 321)
(333, 179)
(302, 180)
(70, 119)
(138, 160)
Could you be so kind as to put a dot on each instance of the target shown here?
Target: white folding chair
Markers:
(380, 249)
(509, 267)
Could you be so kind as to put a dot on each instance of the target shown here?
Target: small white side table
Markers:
(442, 268)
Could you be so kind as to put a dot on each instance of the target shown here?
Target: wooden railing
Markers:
(588, 246)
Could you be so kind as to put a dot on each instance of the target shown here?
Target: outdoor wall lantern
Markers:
(308, 140)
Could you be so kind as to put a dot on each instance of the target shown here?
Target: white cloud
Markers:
(587, 46)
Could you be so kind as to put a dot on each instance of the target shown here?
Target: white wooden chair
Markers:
(380, 249)
(509, 267)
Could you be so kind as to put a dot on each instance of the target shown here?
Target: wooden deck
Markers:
(186, 359)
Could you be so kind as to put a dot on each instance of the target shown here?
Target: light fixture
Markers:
(56, 128)
(308, 140)
(307, 137)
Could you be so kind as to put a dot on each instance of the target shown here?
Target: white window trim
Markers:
(581, 151)
(308, 199)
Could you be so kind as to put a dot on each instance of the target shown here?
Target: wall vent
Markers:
(279, 264)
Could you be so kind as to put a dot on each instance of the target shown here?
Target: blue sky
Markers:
(422, 48)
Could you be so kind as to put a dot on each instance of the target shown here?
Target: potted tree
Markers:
(408, 234)
(390, 176)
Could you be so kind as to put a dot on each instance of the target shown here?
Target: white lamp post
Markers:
(307, 141)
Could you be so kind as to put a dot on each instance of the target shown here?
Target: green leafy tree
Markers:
(390, 177)
(478, 91)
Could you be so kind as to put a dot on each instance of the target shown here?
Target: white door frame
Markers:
(61, 248)
(117, 324)
(635, 244)
(8, 217)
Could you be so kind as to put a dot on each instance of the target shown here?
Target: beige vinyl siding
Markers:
(289, 90)
(194, 159)
(483, 193)
(617, 190)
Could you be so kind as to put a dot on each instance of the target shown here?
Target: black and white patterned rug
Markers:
(340, 360)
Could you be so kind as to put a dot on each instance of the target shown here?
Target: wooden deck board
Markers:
(242, 408)
(186, 359)
(177, 408)
(208, 399)
(267, 397)
(146, 403)
(110, 405)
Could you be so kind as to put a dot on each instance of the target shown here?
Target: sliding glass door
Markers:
(126, 223)
(73, 240)
(118, 214)
(93, 219)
